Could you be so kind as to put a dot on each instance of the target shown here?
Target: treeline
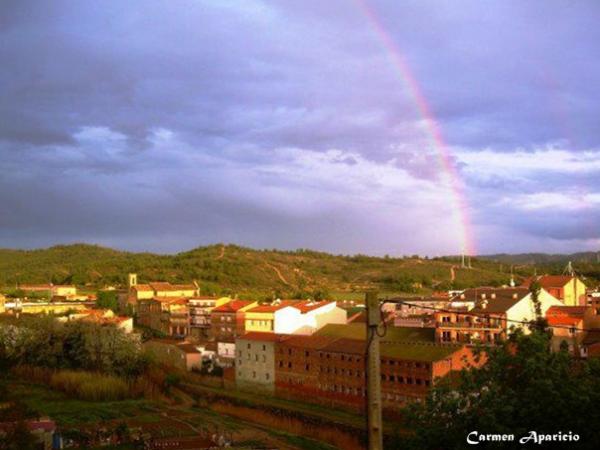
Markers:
(254, 274)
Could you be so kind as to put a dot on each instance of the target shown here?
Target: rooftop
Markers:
(232, 306)
(264, 337)
(549, 281)
(267, 308)
(358, 331)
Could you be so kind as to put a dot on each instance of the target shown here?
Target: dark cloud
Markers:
(191, 122)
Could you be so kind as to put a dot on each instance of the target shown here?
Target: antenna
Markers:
(462, 264)
(569, 269)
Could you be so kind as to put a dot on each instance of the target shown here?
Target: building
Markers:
(315, 315)
(49, 290)
(255, 361)
(569, 327)
(158, 289)
(568, 289)
(293, 316)
(494, 312)
(331, 370)
(168, 315)
(17, 306)
(200, 309)
(178, 354)
(104, 317)
(392, 334)
(227, 324)
(2, 303)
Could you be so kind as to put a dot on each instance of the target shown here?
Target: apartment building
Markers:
(200, 310)
(228, 323)
(255, 361)
(495, 311)
(570, 290)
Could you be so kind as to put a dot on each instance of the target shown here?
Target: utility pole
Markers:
(374, 420)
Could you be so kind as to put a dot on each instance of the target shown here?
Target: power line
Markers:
(471, 314)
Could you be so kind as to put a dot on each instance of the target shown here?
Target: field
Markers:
(152, 418)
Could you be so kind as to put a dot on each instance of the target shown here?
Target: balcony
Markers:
(471, 325)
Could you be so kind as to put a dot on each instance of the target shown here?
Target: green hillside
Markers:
(232, 269)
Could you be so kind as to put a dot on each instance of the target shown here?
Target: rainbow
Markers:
(452, 177)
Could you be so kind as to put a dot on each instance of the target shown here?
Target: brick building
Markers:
(227, 323)
(167, 315)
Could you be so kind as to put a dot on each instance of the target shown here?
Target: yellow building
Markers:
(568, 289)
(2, 302)
(271, 318)
(159, 289)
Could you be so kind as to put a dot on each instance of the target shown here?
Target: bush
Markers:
(90, 386)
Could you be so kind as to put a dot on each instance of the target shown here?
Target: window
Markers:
(256, 357)
(306, 353)
(280, 363)
(253, 374)
(264, 358)
(264, 348)
(267, 376)
(289, 365)
(248, 346)
(307, 367)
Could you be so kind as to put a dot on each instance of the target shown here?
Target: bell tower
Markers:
(132, 280)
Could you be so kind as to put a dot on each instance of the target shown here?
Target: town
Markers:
(309, 351)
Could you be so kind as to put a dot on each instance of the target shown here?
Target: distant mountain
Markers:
(230, 269)
(544, 258)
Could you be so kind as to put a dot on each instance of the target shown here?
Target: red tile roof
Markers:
(232, 306)
(309, 305)
(565, 315)
(272, 307)
(262, 336)
(549, 281)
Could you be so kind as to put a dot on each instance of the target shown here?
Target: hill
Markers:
(230, 269)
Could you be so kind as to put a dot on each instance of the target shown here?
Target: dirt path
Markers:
(452, 273)
(279, 275)
(220, 256)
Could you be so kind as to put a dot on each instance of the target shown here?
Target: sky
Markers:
(348, 126)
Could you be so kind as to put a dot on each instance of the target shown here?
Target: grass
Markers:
(68, 411)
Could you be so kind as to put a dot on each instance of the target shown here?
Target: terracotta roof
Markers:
(549, 281)
(272, 307)
(262, 336)
(565, 315)
(171, 300)
(310, 342)
(166, 286)
(309, 305)
(232, 306)
(142, 287)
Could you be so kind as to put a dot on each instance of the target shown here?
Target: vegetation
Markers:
(44, 342)
(90, 386)
(523, 387)
(255, 274)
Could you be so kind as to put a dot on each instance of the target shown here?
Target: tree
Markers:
(522, 387)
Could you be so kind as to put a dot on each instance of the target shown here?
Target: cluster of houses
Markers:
(315, 350)
(301, 348)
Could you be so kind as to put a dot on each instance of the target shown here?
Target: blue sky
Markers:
(285, 124)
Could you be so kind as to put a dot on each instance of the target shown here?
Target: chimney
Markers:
(493, 295)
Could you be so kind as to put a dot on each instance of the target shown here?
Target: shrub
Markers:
(90, 386)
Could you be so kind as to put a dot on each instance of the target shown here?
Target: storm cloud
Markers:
(165, 125)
